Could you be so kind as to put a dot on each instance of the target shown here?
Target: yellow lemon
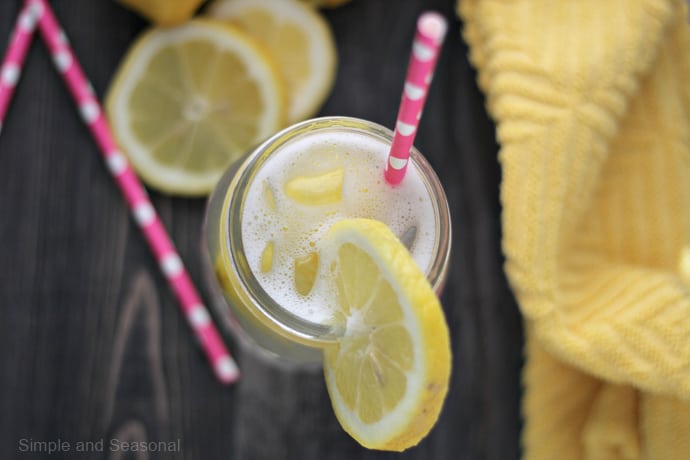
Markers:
(388, 376)
(319, 189)
(188, 101)
(164, 12)
(300, 40)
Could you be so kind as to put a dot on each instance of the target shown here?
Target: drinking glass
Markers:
(257, 322)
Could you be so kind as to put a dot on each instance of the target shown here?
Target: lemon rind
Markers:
(323, 52)
(156, 174)
(427, 384)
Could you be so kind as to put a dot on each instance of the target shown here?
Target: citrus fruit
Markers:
(319, 189)
(300, 40)
(164, 12)
(388, 375)
(189, 100)
(306, 269)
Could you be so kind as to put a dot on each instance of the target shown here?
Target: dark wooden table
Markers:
(93, 347)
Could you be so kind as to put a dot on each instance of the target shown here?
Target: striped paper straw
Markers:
(431, 29)
(134, 193)
(16, 53)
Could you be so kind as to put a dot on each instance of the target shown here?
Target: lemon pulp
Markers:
(388, 376)
(187, 101)
(298, 37)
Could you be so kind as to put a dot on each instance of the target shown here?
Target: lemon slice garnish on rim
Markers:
(298, 37)
(188, 101)
(388, 376)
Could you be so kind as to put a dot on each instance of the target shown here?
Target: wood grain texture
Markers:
(92, 344)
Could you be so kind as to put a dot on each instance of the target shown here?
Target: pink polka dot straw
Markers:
(431, 29)
(16, 53)
(134, 193)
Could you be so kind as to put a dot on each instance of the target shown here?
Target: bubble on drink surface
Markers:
(356, 161)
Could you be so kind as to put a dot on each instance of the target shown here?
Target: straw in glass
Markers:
(431, 29)
(17, 48)
(134, 193)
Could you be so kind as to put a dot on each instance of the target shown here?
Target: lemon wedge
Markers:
(388, 376)
(306, 268)
(318, 189)
(188, 101)
(298, 37)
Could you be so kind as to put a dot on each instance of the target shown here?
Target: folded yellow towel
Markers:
(591, 100)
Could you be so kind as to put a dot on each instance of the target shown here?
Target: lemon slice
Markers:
(298, 37)
(388, 376)
(187, 101)
(164, 12)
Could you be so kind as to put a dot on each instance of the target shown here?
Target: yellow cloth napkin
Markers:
(591, 100)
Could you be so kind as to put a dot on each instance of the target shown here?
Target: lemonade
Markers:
(317, 180)
(269, 212)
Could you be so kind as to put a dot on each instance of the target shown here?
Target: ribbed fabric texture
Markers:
(591, 100)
